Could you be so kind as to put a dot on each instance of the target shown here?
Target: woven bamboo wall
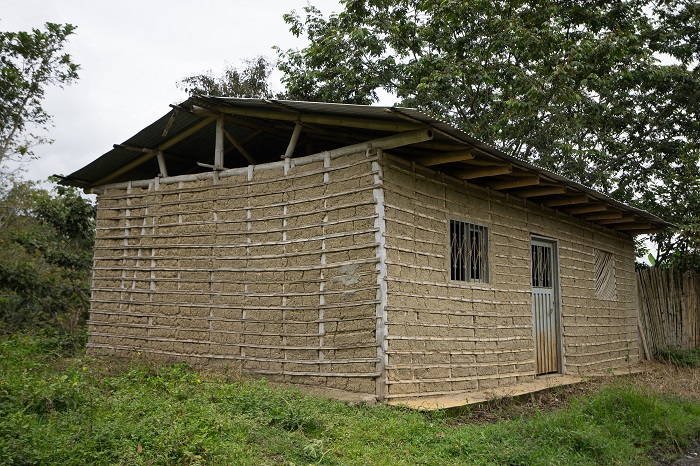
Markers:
(669, 308)
(270, 269)
(445, 336)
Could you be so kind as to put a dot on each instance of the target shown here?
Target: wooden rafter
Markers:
(493, 170)
(545, 191)
(293, 141)
(516, 182)
(447, 157)
(566, 201)
(239, 147)
(612, 221)
(585, 209)
(348, 122)
(163, 147)
(400, 114)
(603, 216)
(154, 152)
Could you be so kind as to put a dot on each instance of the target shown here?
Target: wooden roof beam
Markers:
(240, 148)
(163, 147)
(161, 164)
(612, 221)
(153, 152)
(566, 201)
(545, 191)
(602, 216)
(521, 182)
(322, 119)
(447, 157)
(219, 143)
(293, 141)
(388, 142)
(585, 209)
(493, 170)
(634, 226)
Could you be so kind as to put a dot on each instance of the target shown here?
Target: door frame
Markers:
(556, 268)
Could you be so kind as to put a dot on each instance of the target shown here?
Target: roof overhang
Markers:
(207, 133)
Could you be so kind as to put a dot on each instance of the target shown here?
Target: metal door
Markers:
(545, 306)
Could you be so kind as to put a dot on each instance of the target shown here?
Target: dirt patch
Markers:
(670, 380)
(691, 457)
(655, 377)
(498, 409)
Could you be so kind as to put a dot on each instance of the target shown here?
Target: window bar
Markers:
(462, 253)
(472, 251)
(485, 254)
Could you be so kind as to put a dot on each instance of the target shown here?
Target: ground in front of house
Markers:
(57, 410)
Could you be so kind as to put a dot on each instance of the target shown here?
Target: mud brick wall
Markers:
(445, 336)
(269, 269)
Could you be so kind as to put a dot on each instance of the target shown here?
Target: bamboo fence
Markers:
(669, 308)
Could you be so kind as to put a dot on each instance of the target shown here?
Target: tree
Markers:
(578, 87)
(31, 61)
(252, 81)
(45, 257)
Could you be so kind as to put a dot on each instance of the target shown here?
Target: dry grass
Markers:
(670, 380)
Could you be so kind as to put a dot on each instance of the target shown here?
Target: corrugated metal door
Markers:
(545, 306)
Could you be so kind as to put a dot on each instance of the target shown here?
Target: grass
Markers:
(57, 410)
(680, 357)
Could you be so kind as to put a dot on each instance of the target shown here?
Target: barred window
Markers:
(604, 275)
(542, 263)
(469, 259)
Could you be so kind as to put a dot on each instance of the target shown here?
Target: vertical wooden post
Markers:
(161, 164)
(293, 141)
(219, 148)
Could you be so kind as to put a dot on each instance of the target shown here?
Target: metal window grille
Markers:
(542, 266)
(469, 259)
(604, 275)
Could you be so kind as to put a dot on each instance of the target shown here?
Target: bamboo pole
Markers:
(219, 145)
(162, 147)
(323, 119)
(293, 141)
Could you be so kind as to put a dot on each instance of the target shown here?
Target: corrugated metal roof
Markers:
(266, 125)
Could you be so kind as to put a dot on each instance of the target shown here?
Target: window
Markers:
(542, 263)
(604, 275)
(469, 259)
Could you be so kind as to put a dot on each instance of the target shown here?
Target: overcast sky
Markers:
(132, 53)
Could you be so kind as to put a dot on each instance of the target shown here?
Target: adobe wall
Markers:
(270, 270)
(445, 336)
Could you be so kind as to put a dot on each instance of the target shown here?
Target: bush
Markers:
(46, 241)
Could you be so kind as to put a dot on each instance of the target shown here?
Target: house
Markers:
(367, 249)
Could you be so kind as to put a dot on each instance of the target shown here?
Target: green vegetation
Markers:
(29, 63)
(603, 92)
(252, 81)
(55, 410)
(680, 357)
(45, 259)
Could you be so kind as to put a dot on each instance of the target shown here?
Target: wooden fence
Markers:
(669, 309)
